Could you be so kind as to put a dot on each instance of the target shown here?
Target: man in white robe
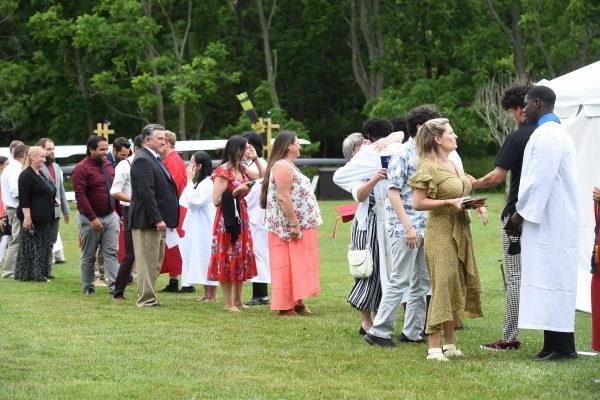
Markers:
(548, 214)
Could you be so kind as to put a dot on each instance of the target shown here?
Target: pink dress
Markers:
(294, 263)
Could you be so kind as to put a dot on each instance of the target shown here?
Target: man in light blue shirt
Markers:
(409, 277)
(409, 274)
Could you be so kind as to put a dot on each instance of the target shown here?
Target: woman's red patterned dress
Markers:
(231, 262)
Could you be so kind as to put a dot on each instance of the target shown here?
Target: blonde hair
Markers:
(33, 151)
(425, 139)
(170, 138)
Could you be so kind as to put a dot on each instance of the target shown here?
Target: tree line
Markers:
(321, 66)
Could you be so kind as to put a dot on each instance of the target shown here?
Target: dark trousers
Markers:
(259, 290)
(560, 342)
(127, 264)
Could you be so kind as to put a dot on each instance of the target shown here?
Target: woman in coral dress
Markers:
(292, 215)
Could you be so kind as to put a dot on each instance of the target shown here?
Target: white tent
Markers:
(578, 107)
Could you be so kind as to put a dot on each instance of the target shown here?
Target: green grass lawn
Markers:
(56, 343)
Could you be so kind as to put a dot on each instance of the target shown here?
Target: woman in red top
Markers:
(232, 261)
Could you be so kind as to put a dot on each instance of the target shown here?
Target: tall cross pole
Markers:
(102, 130)
(270, 127)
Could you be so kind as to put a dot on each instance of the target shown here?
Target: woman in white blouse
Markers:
(198, 224)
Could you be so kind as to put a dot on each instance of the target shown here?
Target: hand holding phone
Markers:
(473, 202)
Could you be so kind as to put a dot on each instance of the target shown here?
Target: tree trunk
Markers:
(537, 36)
(182, 131)
(370, 79)
(84, 93)
(270, 60)
(179, 47)
(159, 111)
(514, 34)
(519, 51)
(360, 74)
(584, 45)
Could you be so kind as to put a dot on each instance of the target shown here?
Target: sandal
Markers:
(436, 354)
(451, 351)
(302, 310)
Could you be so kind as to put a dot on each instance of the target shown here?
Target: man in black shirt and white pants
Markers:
(510, 158)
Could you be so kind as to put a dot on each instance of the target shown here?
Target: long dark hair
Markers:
(202, 159)
(234, 151)
(255, 140)
(280, 148)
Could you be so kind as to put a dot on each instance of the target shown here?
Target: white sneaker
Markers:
(450, 351)
(436, 354)
(100, 283)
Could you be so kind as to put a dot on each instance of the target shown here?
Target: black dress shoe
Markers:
(187, 289)
(257, 301)
(543, 353)
(361, 331)
(377, 341)
(88, 291)
(405, 339)
(555, 356)
(172, 287)
(155, 305)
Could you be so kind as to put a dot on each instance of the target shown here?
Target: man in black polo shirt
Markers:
(510, 158)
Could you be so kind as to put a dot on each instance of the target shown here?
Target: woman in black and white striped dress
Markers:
(366, 292)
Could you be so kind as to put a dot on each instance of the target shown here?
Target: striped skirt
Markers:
(366, 292)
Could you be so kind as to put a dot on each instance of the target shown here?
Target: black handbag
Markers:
(514, 239)
(7, 228)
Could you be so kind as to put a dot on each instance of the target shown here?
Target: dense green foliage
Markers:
(66, 65)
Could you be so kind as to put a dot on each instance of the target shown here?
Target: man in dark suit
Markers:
(154, 208)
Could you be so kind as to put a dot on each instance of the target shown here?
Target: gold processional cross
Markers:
(102, 130)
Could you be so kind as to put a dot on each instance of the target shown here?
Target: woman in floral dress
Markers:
(292, 216)
(232, 260)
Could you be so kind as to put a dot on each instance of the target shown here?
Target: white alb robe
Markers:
(258, 230)
(195, 246)
(548, 202)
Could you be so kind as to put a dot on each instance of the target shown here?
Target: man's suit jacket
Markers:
(153, 193)
(60, 189)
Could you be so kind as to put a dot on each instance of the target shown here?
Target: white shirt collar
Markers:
(155, 154)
